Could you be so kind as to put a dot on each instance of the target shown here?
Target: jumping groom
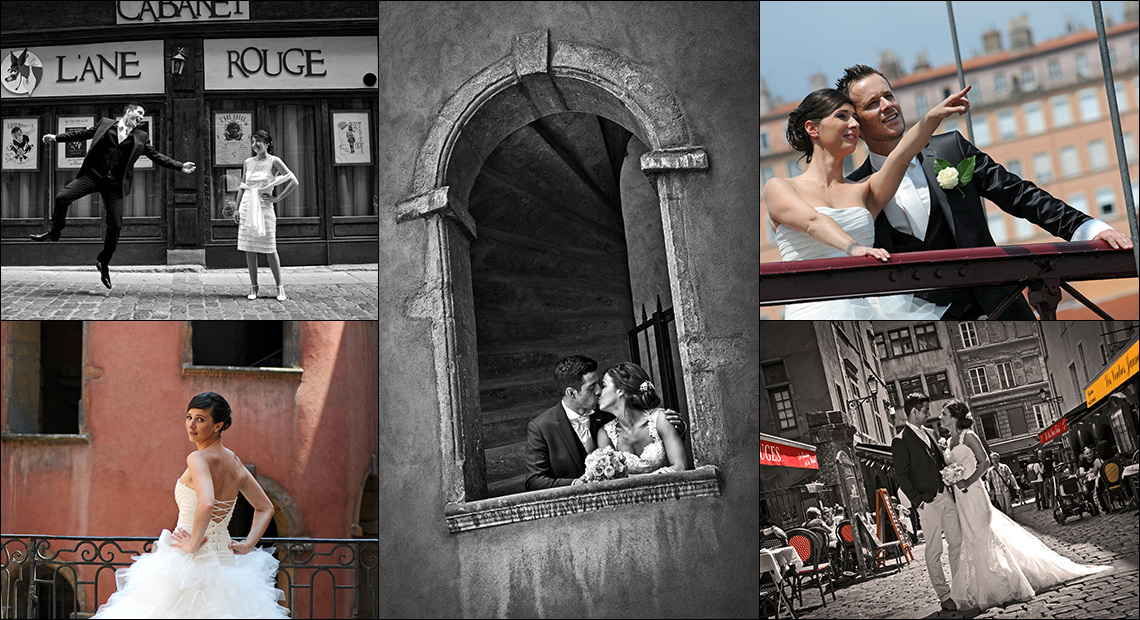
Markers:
(918, 470)
(108, 169)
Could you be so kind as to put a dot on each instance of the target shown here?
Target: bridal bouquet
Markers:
(952, 473)
(605, 464)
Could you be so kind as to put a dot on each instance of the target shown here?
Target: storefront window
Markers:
(356, 185)
(1120, 429)
(293, 128)
(224, 181)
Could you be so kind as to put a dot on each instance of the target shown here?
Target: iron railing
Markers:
(1045, 268)
(67, 576)
(654, 334)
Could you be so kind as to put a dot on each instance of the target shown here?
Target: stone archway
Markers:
(540, 78)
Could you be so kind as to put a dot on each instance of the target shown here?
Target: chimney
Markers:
(921, 62)
(817, 81)
(889, 65)
(765, 99)
(1020, 38)
(991, 40)
(1131, 11)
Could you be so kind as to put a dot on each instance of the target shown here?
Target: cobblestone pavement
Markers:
(181, 292)
(1111, 539)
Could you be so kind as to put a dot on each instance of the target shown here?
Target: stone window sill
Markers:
(45, 439)
(190, 370)
(547, 503)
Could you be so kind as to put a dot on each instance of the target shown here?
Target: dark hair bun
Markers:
(961, 414)
(217, 406)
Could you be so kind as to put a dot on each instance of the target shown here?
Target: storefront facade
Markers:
(208, 75)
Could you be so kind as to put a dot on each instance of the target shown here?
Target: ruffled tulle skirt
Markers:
(168, 583)
(886, 307)
(1000, 561)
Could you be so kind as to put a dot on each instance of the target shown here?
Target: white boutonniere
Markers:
(951, 177)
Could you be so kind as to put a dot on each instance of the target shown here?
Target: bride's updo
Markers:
(961, 414)
(217, 406)
(813, 108)
(640, 393)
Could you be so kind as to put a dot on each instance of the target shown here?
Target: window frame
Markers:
(940, 378)
(929, 334)
(1005, 375)
(963, 328)
(978, 380)
(19, 373)
(291, 357)
(903, 331)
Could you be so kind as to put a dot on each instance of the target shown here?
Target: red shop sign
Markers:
(1057, 428)
(785, 455)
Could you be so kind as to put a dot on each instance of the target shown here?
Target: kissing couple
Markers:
(993, 560)
(618, 411)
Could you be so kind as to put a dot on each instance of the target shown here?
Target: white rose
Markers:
(948, 178)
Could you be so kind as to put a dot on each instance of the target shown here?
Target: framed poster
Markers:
(351, 139)
(69, 155)
(146, 124)
(21, 143)
(231, 138)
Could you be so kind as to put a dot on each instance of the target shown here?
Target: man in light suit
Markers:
(923, 216)
(918, 470)
(108, 169)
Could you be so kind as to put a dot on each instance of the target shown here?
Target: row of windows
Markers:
(1033, 115)
(898, 342)
(937, 387)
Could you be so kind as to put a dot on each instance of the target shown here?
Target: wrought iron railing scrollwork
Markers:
(67, 576)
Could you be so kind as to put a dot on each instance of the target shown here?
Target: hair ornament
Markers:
(646, 386)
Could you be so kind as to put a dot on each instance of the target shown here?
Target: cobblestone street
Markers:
(340, 292)
(1106, 540)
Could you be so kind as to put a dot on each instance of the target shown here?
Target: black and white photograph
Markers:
(969, 468)
(179, 161)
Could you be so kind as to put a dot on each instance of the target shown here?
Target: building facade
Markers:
(93, 434)
(1039, 110)
(208, 76)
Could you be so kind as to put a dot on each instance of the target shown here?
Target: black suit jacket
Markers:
(554, 454)
(966, 215)
(100, 146)
(918, 468)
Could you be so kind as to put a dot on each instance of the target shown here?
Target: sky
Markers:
(798, 39)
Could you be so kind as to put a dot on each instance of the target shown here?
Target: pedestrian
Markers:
(257, 230)
(1036, 478)
(108, 168)
(1049, 474)
(1000, 479)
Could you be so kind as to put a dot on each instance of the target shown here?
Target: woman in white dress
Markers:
(820, 214)
(639, 427)
(198, 571)
(1000, 562)
(257, 229)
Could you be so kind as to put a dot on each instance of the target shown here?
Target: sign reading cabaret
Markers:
(166, 12)
(129, 67)
(1120, 370)
(293, 64)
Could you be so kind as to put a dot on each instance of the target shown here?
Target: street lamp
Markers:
(178, 61)
(873, 386)
(1056, 400)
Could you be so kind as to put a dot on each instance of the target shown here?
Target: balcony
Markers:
(66, 576)
(1045, 269)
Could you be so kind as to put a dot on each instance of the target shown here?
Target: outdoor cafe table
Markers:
(1130, 475)
(773, 561)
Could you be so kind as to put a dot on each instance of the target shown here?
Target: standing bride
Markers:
(257, 231)
(1000, 562)
(198, 571)
(820, 214)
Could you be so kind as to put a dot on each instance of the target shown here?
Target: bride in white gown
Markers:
(820, 214)
(1000, 562)
(639, 427)
(198, 571)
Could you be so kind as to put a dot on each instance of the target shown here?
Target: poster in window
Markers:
(231, 138)
(69, 155)
(351, 139)
(21, 143)
(146, 124)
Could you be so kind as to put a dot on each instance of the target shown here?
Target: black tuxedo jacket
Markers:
(554, 454)
(966, 215)
(105, 136)
(918, 467)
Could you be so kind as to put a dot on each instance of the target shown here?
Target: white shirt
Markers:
(123, 131)
(921, 433)
(581, 426)
(909, 211)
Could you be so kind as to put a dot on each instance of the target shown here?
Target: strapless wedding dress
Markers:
(857, 222)
(213, 582)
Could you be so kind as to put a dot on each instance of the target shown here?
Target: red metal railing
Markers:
(1045, 268)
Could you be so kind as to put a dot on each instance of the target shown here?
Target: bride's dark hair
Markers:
(960, 412)
(214, 403)
(813, 108)
(264, 136)
(640, 392)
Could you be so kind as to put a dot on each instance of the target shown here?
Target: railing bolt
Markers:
(916, 276)
(938, 273)
(894, 276)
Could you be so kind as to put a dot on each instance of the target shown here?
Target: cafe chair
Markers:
(807, 545)
(1111, 481)
(847, 545)
(881, 551)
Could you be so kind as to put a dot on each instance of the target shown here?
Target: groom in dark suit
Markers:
(108, 169)
(918, 470)
(923, 216)
(558, 440)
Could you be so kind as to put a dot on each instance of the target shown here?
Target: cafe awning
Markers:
(785, 463)
(875, 455)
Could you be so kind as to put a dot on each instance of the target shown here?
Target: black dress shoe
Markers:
(51, 234)
(949, 605)
(104, 273)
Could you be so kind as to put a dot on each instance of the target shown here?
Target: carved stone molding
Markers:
(548, 503)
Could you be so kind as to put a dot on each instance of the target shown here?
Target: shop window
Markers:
(45, 359)
(356, 185)
(294, 132)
